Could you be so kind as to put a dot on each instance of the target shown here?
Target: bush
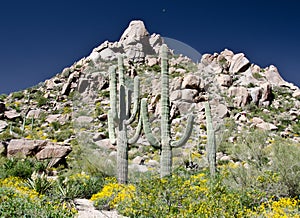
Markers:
(79, 185)
(39, 183)
(17, 95)
(41, 101)
(63, 135)
(4, 136)
(39, 98)
(268, 166)
(191, 195)
(17, 200)
(22, 168)
(112, 194)
(3, 97)
(183, 195)
(285, 161)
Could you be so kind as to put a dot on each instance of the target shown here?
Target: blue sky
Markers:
(39, 38)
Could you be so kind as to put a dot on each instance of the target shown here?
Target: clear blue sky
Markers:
(39, 38)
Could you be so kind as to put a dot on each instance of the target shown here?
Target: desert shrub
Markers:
(104, 93)
(3, 97)
(247, 180)
(257, 75)
(296, 128)
(268, 166)
(67, 110)
(227, 131)
(285, 161)
(183, 195)
(22, 168)
(251, 171)
(5, 135)
(283, 207)
(41, 101)
(112, 194)
(63, 135)
(89, 158)
(78, 185)
(251, 147)
(186, 194)
(18, 200)
(17, 95)
(98, 109)
(39, 183)
(155, 68)
(281, 92)
(55, 125)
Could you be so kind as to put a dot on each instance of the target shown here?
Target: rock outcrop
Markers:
(135, 43)
(41, 149)
(72, 106)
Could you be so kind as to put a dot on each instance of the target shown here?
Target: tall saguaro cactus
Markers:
(166, 144)
(211, 141)
(119, 117)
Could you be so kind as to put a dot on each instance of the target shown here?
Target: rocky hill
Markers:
(66, 116)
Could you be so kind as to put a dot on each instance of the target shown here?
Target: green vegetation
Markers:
(155, 68)
(41, 101)
(98, 109)
(257, 75)
(191, 194)
(3, 97)
(26, 191)
(17, 95)
(281, 92)
(5, 135)
(104, 93)
(259, 176)
(16, 200)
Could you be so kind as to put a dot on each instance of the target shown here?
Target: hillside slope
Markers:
(69, 111)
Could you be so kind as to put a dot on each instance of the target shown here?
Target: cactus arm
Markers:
(211, 141)
(128, 94)
(137, 134)
(146, 125)
(122, 107)
(136, 93)
(111, 128)
(186, 135)
(121, 70)
(113, 91)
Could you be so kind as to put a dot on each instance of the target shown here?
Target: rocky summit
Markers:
(66, 116)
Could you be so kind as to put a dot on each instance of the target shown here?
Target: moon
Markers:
(164, 10)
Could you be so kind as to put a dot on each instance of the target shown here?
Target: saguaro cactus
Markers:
(211, 141)
(166, 144)
(119, 117)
